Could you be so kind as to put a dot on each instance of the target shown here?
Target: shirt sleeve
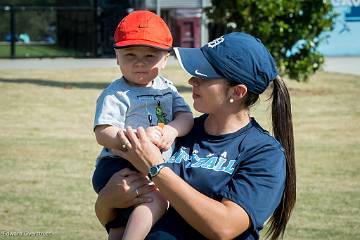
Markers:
(258, 183)
(111, 107)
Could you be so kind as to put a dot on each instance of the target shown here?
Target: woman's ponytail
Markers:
(283, 132)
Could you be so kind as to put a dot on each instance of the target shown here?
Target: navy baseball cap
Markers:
(237, 57)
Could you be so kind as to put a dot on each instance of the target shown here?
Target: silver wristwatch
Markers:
(154, 170)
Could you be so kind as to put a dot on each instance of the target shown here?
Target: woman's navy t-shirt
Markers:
(247, 167)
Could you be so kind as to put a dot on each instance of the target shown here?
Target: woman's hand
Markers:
(162, 137)
(168, 137)
(139, 150)
(126, 188)
(154, 133)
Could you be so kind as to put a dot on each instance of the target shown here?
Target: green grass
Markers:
(31, 51)
(47, 152)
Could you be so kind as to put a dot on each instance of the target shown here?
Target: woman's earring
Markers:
(231, 100)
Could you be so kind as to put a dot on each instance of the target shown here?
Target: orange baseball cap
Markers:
(143, 28)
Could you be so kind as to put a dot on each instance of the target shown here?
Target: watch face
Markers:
(153, 170)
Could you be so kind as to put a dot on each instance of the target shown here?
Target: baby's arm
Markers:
(182, 123)
(180, 126)
(106, 135)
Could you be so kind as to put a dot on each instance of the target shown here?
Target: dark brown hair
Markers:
(283, 132)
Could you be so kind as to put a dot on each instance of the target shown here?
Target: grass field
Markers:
(31, 51)
(47, 152)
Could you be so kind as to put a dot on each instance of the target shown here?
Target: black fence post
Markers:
(12, 32)
(96, 32)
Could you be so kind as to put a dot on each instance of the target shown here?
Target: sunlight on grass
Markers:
(48, 151)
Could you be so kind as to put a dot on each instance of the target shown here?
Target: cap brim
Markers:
(193, 61)
(130, 43)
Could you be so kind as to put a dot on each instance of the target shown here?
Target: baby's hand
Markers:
(168, 137)
(154, 133)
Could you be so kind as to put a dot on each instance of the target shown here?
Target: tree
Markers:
(291, 29)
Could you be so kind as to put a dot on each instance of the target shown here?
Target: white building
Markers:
(344, 40)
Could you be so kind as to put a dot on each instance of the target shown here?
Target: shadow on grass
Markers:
(58, 84)
(69, 85)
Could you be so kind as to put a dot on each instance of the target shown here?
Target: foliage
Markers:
(34, 22)
(291, 29)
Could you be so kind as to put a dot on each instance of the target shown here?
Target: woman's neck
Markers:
(219, 124)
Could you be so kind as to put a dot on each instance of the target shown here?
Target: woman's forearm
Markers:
(214, 219)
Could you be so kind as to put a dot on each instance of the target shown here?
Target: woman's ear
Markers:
(238, 92)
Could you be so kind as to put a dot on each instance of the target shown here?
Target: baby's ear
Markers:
(166, 57)
(117, 56)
